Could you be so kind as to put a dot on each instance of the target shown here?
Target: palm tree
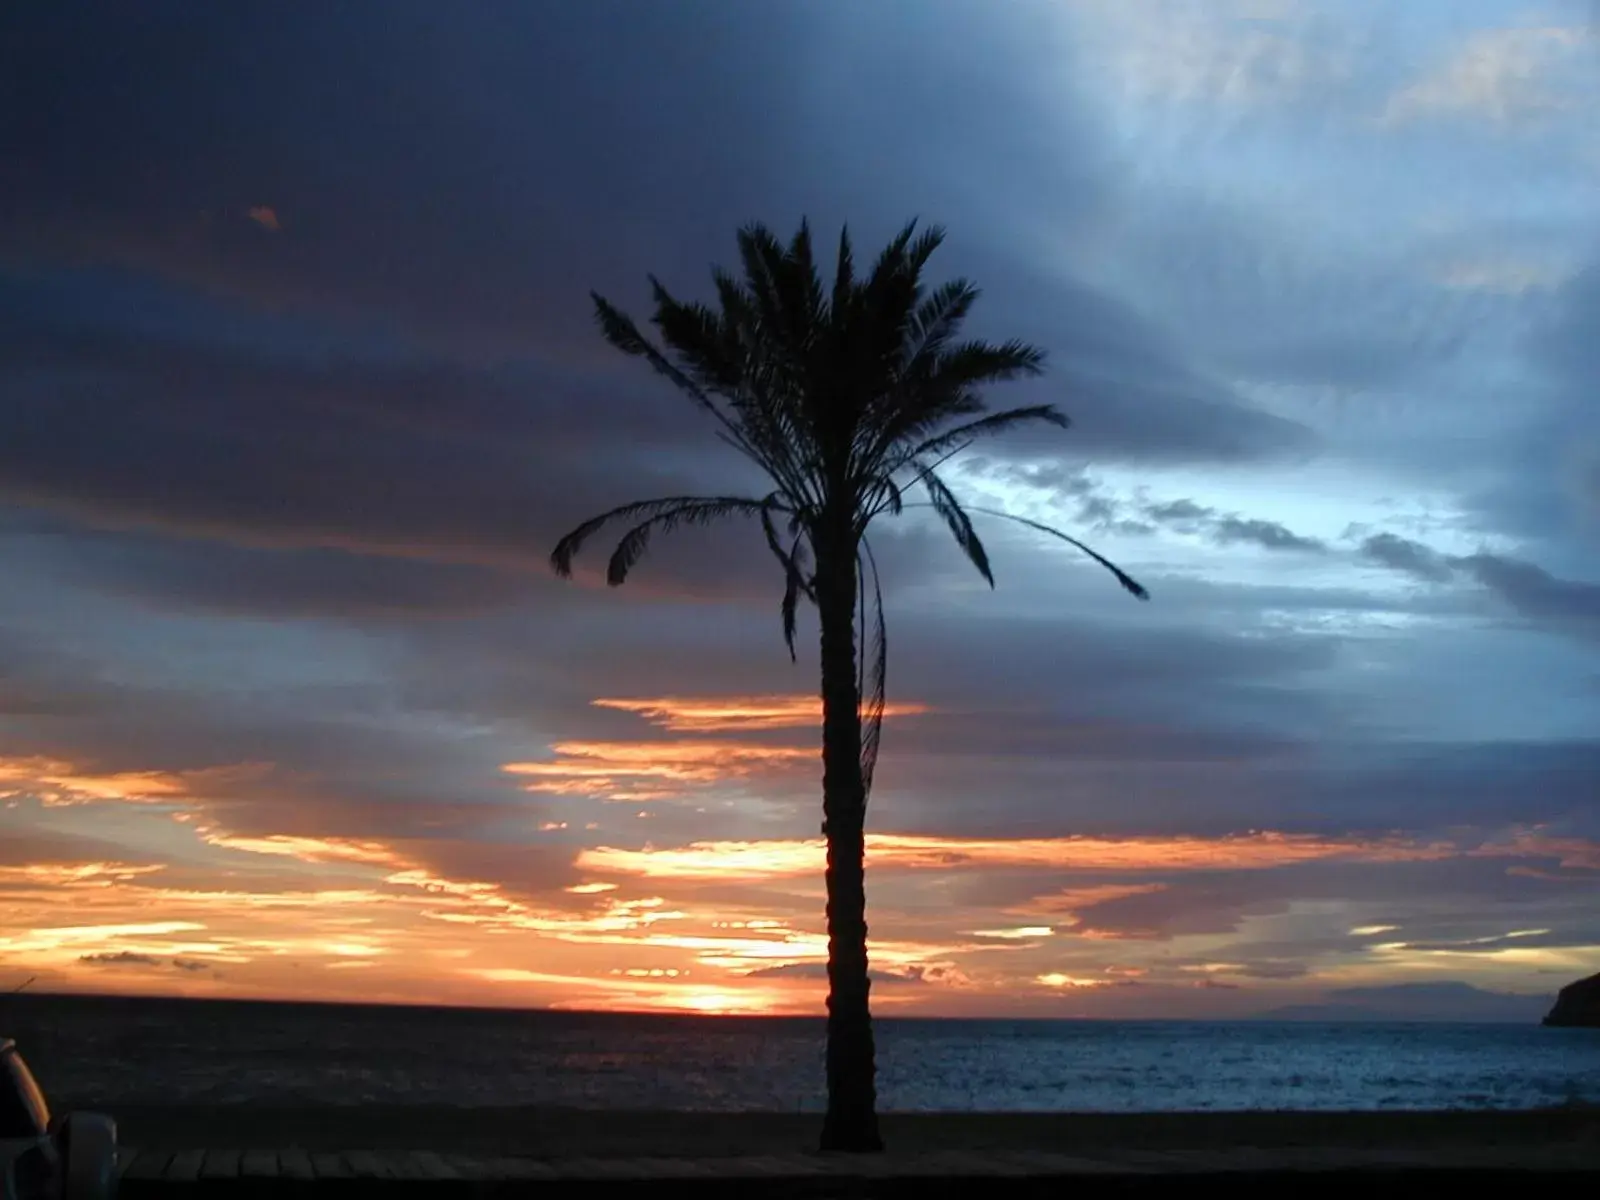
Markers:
(846, 398)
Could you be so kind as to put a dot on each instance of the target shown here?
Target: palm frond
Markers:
(619, 329)
(947, 506)
(795, 585)
(795, 581)
(975, 363)
(699, 338)
(844, 278)
(987, 426)
(938, 317)
(876, 692)
(663, 514)
(1127, 581)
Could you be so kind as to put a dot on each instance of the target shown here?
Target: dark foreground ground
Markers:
(416, 1153)
(565, 1133)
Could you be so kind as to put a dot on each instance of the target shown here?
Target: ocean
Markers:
(106, 1052)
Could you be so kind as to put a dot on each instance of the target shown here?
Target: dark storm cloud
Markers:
(1541, 479)
(1297, 784)
(1407, 556)
(1426, 898)
(1425, 785)
(24, 846)
(1568, 605)
(1178, 510)
(194, 575)
(1229, 529)
(1537, 594)
(42, 681)
(1269, 535)
(1566, 346)
(398, 185)
(1267, 304)
(1585, 482)
(479, 217)
(1131, 393)
(428, 460)
(1099, 509)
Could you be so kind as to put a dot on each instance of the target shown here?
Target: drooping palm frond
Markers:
(874, 688)
(661, 515)
(1129, 583)
(947, 506)
(987, 426)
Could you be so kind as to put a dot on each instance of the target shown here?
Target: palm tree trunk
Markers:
(852, 1120)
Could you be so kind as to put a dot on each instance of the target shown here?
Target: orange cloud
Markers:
(1066, 904)
(62, 875)
(309, 849)
(57, 783)
(736, 713)
(651, 770)
(657, 770)
(1056, 979)
(265, 216)
(1018, 934)
(768, 859)
(1571, 853)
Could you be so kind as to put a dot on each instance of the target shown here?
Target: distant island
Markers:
(1577, 1005)
(1441, 1001)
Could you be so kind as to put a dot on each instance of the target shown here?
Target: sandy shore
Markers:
(546, 1132)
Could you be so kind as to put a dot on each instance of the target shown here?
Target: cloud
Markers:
(755, 860)
(1234, 55)
(1178, 510)
(207, 575)
(309, 849)
(62, 875)
(1567, 604)
(1267, 534)
(55, 782)
(128, 958)
(1411, 558)
(819, 971)
(1504, 79)
(1228, 529)
(1072, 901)
(1535, 593)
(633, 771)
(683, 714)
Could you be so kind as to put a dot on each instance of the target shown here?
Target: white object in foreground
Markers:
(71, 1158)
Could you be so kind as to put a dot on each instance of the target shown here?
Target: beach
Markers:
(543, 1132)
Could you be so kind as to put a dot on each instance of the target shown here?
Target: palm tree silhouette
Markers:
(846, 398)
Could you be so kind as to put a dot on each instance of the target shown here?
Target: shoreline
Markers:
(542, 1132)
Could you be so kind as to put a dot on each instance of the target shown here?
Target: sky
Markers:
(299, 385)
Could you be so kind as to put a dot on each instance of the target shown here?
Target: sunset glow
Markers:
(737, 713)
(324, 910)
(1245, 852)
(650, 771)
